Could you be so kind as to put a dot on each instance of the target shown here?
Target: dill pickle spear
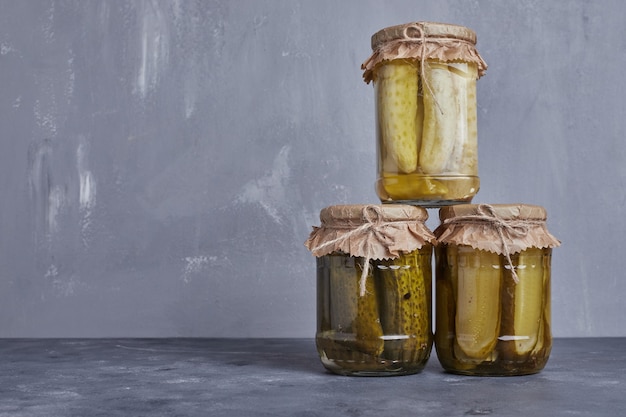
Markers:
(404, 295)
(366, 326)
(469, 165)
(522, 305)
(528, 300)
(477, 321)
(353, 318)
(440, 119)
(397, 89)
(544, 337)
(463, 158)
(450, 355)
(343, 293)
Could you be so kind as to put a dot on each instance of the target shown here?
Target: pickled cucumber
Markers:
(343, 293)
(544, 339)
(367, 327)
(448, 351)
(387, 330)
(528, 300)
(522, 305)
(469, 164)
(440, 131)
(397, 88)
(477, 321)
(404, 297)
(523, 342)
(429, 153)
(463, 158)
(354, 319)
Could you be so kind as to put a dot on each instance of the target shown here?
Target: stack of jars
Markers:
(375, 261)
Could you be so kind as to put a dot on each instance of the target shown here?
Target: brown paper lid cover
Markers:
(370, 231)
(423, 40)
(498, 228)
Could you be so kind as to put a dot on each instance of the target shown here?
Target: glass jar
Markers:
(492, 286)
(424, 77)
(373, 309)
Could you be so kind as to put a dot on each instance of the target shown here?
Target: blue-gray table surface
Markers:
(283, 377)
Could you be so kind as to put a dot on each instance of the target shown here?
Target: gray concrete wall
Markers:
(162, 162)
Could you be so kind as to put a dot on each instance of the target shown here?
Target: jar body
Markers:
(426, 124)
(385, 332)
(486, 322)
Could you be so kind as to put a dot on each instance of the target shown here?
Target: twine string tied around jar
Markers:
(373, 224)
(513, 228)
(416, 34)
(422, 38)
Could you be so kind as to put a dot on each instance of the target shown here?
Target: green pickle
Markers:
(405, 307)
(506, 328)
(366, 326)
(386, 331)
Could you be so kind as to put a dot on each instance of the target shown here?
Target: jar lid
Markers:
(504, 229)
(504, 211)
(419, 30)
(370, 231)
(358, 214)
(423, 40)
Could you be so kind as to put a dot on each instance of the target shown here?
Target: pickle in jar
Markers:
(367, 327)
(352, 315)
(427, 132)
(404, 297)
(477, 322)
(398, 113)
(463, 159)
(522, 304)
(440, 119)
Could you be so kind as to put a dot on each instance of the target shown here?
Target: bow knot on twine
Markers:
(421, 37)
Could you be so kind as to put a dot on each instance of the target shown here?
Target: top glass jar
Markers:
(424, 77)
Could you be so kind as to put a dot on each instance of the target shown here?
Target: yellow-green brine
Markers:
(374, 286)
(492, 286)
(424, 77)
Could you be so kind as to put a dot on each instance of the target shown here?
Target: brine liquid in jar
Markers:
(386, 331)
(426, 129)
(489, 322)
